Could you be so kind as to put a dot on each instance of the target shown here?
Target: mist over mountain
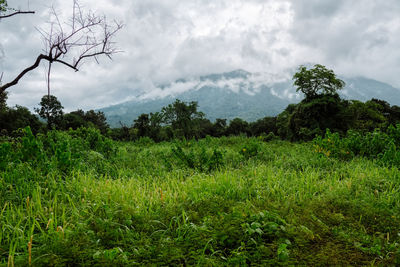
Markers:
(239, 93)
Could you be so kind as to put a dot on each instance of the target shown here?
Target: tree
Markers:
(3, 100)
(97, 120)
(74, 120)
(219, 127)
(51, 110)
(367, 116)
(263, 126)
(91, 118)
(181, 116)
(237, 126)
(315, 81)
(142, 124)
(85, 36)
(18, 117)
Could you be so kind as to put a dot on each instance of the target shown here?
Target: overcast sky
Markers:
(164, 40)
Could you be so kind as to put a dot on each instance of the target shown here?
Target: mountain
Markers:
(239, 93)
(364, 89)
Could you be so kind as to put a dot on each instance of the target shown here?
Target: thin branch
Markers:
(48, 80)
(25, 71)
(16, 13)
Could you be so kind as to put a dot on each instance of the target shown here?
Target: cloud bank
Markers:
(165, 40)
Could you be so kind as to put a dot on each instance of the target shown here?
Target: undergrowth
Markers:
(77, 198)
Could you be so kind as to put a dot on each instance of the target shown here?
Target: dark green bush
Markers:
(384, 146)
(56, 150)
(199, 159)
(251, 149)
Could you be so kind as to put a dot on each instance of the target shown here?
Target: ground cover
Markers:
(77, 198)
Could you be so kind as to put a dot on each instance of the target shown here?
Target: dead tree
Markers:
(85, 36)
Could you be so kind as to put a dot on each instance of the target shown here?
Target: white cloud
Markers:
(164, 40)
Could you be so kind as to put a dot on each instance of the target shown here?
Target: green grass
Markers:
(278, 204)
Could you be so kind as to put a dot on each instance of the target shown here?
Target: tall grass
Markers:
(272, 203)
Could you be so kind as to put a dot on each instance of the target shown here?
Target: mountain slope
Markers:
(239, 94)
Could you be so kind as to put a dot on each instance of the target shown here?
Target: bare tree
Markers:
(86, 35)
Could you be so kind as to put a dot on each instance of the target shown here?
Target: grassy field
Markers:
(227, 201)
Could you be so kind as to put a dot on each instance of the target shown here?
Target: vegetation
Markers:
(316, 81)
(77, 198)
(177, 189)
(50, 110)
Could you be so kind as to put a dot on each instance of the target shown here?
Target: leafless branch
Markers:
(86, 36)
(16, 13)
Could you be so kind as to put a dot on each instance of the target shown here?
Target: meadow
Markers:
(76, 198)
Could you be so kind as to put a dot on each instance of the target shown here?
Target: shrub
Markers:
(201, 159)
(251, 149)
(379, 145)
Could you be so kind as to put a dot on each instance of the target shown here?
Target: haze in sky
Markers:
(165, 40)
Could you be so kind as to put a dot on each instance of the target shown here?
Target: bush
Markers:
(201, 159)
(251, 149)
(379, 145)
(55, 150)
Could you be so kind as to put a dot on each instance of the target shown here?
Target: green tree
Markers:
(181, 116)
(263, 126)
(237, 126)
(17, 117)
(3, 101)
(97, 120)
(314, 116)
(282, 122)
(316, 81)
(51, 110)
(91, 118)
(74, 120)
(367, 116)
(142, 124)
(156, 119)
(202, 127)
(219, 127)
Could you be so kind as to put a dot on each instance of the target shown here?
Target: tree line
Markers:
(321, 109)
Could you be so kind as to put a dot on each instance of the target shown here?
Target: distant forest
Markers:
(321, 109)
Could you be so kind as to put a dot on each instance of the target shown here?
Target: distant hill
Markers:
(249, 96)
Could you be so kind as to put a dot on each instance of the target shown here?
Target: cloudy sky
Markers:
(165, 40)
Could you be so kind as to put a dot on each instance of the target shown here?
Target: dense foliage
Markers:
(320, 110)
(383, 146)
(317, 81)
(51, 110)
(78, 198)
(187, 191)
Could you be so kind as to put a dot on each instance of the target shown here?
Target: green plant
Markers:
(199, 159)
(250, 149)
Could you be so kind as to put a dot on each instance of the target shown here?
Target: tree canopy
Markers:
(50, 110)
(182, 116)
(315, 81)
